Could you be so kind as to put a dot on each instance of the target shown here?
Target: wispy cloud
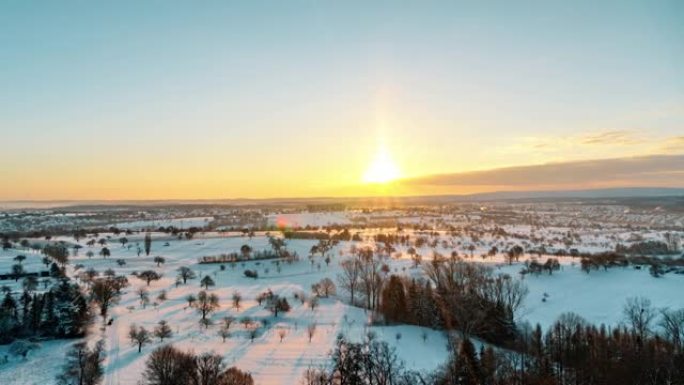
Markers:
(674, 144)
(612, 138)
(657, 170)
(591, 145)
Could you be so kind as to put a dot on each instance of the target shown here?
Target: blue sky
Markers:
(263, 95)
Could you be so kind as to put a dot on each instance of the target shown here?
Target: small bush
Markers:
(251, 274)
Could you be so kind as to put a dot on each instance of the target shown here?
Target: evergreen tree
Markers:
(9, 306)
(148, 243)
(35, 317)
(8, 319)
(206, 282)
(48, 318)
(25, 301)
(393, 305)
(467, 365)
(488, 364)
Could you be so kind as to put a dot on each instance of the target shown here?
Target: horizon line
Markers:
(357, 197)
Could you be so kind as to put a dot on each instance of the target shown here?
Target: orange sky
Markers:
(236, 100)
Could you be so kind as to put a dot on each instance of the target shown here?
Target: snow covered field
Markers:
(598, 296)
(270, 361)
(308, 219)
(179, 223)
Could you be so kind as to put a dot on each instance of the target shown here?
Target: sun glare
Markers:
(382, 170)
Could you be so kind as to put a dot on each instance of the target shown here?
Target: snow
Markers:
(179, 223)
(597, 296)
(315, 219)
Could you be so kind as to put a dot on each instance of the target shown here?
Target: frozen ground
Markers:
(597, 296)
(179, 223)
(309, 219)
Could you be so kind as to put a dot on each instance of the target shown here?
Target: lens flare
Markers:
(382, 169)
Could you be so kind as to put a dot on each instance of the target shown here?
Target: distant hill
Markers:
(633, 192)
(612, 193)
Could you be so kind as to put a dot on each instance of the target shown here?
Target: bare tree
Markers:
(159, 260)
(162, 330)
(169, 366)
(349, 279)
(228, 321)
(208, 369)
(672, 323)
(234, 376)
(149, 276)
(639, 314)
(276, 304)
(282, 332)
(143, 295)
(206, 303)
(311, 330)
(186, 273)
(83, 365)
(370, 277)
(506, 291)
(139, 336)
(324, 288)
(236, 300)
(224, 333)
(277, 244)
(103, 293)
(313, 303)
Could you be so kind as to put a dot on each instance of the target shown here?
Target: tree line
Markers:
(571, 352)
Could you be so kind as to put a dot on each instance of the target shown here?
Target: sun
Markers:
(382, 169)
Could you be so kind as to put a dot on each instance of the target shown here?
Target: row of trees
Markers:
(170, 366)
(371, 362)
(139, 336)
(362, 274)
(571, 352)
(457, 296)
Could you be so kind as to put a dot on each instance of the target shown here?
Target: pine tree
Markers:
(36, 311)
(393, 304)
(25, 309)
(467, 366)
(431, 311)
(413, 303)
(48, 318)
(55, 271)
(488, 364)
(148, 243)
(71, 310)
(9, 306)
(8, 319)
